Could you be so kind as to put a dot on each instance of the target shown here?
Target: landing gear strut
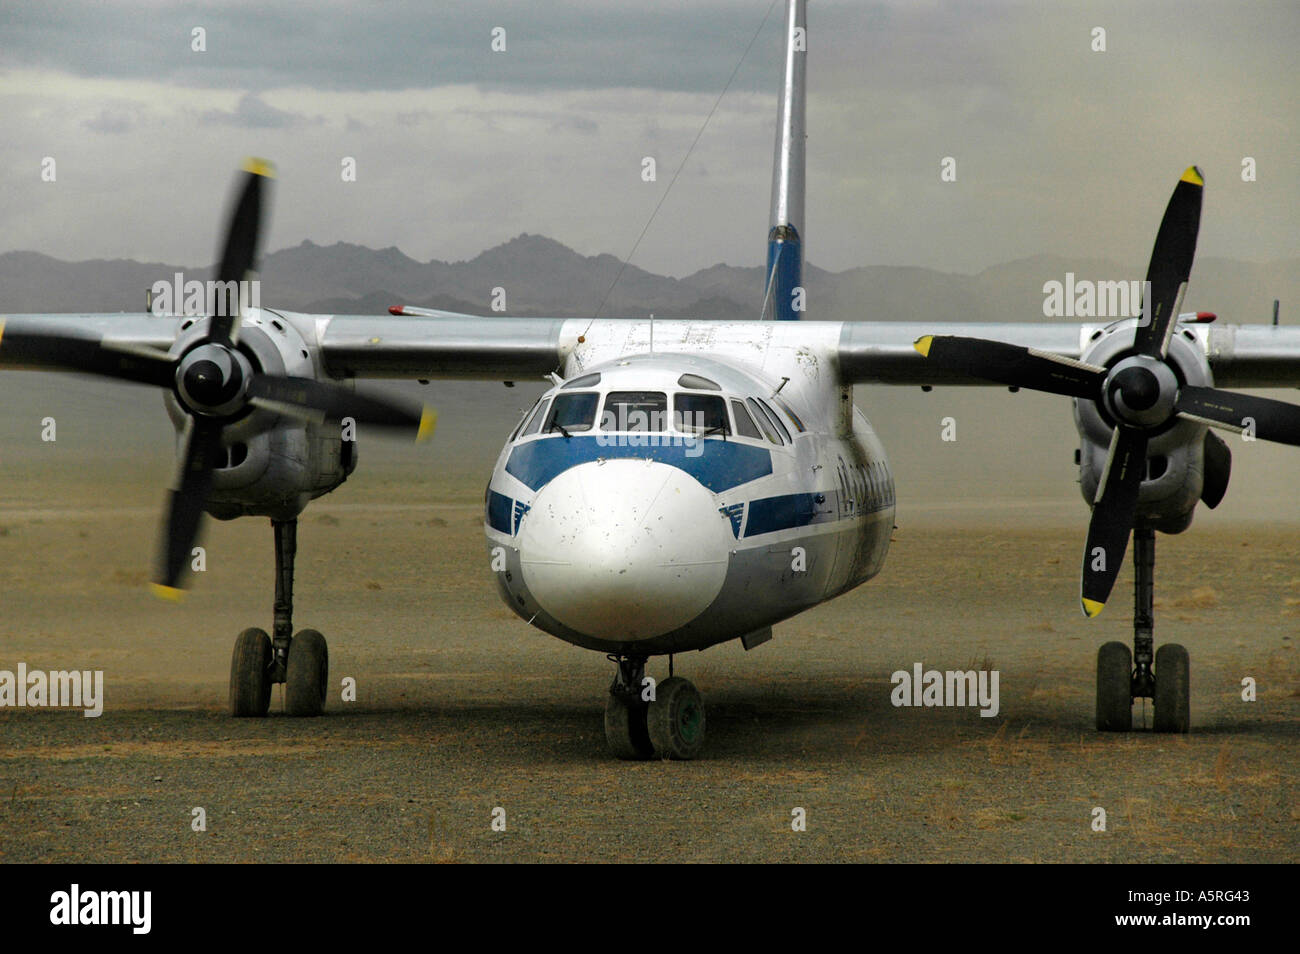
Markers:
(300, 662)
(1162, 676)
(667, 722)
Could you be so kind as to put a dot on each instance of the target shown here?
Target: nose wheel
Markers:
(259, 661)
(675, 720)
(1164, 677)
(250, 674)
(666, 723)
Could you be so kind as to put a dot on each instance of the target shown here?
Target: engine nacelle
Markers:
(1175, 453)
(275, 464)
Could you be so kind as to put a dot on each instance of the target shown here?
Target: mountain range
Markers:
(541, 276)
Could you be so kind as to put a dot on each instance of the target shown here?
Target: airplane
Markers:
(688, 482)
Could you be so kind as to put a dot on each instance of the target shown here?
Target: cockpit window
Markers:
(789, 412)
(763, 421)
(698, 382)
(535, 421)
(744, 423)
(635, 411)
(700, 414)
(572, 412)
(527, 416)
(776, 419)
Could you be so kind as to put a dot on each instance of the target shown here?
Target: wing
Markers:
(502, 348)
(883, 352)
(454, 346)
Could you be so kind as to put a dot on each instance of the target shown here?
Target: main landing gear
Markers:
(301, 662)
(644, 720)
(1119, 681)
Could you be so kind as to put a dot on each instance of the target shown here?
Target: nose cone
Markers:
(624, 549)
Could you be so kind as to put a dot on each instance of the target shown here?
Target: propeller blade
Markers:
(239, 252)
(1171, 263)
(1013, 365)
(1272, 420)
(185, 505)
(1112, 516)
(319, 401)
(25, 345)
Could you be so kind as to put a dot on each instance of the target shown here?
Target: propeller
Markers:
(1140, 392)
(213, 382)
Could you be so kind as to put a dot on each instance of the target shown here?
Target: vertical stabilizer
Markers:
(783, 298)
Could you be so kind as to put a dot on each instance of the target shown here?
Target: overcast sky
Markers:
(1059, 149)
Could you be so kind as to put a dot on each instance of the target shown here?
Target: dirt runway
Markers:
(462, 709)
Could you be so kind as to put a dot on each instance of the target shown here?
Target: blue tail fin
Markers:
(784, 295)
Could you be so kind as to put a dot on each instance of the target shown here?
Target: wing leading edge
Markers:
(502, 348)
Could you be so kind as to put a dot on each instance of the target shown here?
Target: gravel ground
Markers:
(462, 709)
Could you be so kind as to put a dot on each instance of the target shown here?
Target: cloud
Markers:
(401, 44)
(253, 113)
(1059, 149)
(578, 124)
(113, 122)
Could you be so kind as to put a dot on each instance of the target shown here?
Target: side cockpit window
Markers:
(519, 428)
(789, 412)
(572, 412)
(775, 419)
(534, 422)
(635, 411)
(745, 425)
(769, 429)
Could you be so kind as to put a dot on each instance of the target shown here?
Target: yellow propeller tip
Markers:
(923, 343)
(1091, 608)
(2, 329)
(259, 167)
(171, 594)
(1193, 175)
(428, 421)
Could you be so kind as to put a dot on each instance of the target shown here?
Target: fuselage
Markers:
(658, 502)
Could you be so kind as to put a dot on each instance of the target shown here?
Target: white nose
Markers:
(624, 549)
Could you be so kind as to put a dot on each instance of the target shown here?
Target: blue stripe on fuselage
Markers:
(786, 511)
(498, 511)
(800, 510)
(717, 464)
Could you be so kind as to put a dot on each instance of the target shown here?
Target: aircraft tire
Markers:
(250, 678)
(1114, 688)
(676, 720)
(307, 674)
(1173, 689)
(625, 730)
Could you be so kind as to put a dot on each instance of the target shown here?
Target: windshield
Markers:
(700, 413)
(635, 411)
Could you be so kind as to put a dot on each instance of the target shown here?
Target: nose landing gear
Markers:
(644, 720)
(1123, 677)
